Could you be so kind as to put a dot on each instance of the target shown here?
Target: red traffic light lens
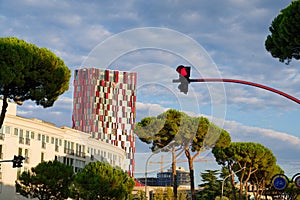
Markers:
(183, 71)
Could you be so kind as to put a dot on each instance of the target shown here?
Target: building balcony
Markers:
(80, 154)
(2, 136)
(21, 140)
(27, 141)
(69, 151)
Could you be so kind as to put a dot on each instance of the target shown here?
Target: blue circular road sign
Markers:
(297, 181)
(280, 182)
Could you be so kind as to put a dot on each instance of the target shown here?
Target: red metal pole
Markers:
(246, 83)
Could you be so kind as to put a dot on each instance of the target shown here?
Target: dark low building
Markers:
(151, 181)
(165, 178)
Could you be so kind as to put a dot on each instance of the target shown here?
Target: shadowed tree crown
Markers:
(284, 41)
(30, 73)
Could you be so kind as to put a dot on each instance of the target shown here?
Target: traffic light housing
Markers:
(18, 161)
(184, 78)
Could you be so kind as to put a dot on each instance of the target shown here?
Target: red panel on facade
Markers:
(116, 76)
(107, 75)
(125, 77)
(102, 83)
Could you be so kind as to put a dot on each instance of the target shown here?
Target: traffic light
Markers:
(184, 78)
(18, 161)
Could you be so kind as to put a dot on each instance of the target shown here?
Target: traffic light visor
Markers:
(183, 71)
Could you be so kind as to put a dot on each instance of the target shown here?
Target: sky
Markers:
(218, 39)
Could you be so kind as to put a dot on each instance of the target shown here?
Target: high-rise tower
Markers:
(104, 106)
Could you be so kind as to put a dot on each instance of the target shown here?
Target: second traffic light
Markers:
(184, 78)
(18, 161)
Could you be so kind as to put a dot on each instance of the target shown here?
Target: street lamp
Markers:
(146, 174)
(146, 165)
(227, 177)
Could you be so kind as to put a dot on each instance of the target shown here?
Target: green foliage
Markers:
(158, 131)
(255, 163)
(159, 194)
(182, 195)
(101, 181)
(30, 73)
(292, 191)
(140, 195)
(48, 180)
(223, 198)
(284, 41)
(211, 185)
(163, 194)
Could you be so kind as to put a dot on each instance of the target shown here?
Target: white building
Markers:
(39, 141)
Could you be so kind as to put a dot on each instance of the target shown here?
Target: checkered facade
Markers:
(104, 106)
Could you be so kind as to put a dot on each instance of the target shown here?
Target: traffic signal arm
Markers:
(184, 80)
(247, 83)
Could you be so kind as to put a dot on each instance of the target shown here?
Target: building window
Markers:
(21, 133)
(44, 145)
(7, 129)
(26, 155)
(39, 137)
(42, 156)
(0, 171)
(21, 140)
(27, 139)
(1, 153)
(27, 134)
(32, 135)
(16, 131)
(18, 173)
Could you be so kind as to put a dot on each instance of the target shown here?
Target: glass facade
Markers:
(104, 106)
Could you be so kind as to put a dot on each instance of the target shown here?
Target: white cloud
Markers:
(145, 110)
(283, 145)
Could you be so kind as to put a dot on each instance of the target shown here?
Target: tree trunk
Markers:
(3, 110)
(174, 177)
(232, 182)
(191, 168)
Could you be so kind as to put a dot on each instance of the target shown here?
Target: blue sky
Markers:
(219, 38)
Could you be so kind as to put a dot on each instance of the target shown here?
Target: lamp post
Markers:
(226, 178)
(146, 166)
